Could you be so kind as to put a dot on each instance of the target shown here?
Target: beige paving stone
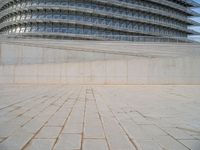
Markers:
(148, 117)
(167, 142)
(6, 129)
(56, 121)
(196, 136)
(93, 131)
(21, 120)
(40, 144)
(68, 142)
(33, 126)
(95, 144)
(76, 118)
(73, 128)
(153, 131)
(147, 145)
(117, 139)
(191, 144)
(16, 141)
(136, 131)
(178, 133)
(48, 132)
(2, 139)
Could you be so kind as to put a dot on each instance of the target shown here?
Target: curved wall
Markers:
(96, 19)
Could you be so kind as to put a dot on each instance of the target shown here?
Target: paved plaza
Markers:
(69, 117)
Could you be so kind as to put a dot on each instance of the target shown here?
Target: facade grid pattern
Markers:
(97, 19)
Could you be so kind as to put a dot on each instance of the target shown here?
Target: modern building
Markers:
(132, 20)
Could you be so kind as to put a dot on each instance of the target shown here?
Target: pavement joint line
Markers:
(45, 122)
(83, 125)
(42, 110)
(131, 141)
(101, 123)
(25, 97)
(29, 101)
(172, 136)
(172, 126)
(65, 122)
(29, 119)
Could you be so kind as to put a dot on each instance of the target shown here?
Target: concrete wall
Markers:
(33, 64)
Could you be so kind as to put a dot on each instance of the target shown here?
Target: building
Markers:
(132, 20)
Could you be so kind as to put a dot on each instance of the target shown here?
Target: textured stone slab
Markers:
(167, 142)
(95, 144)
(147, 145)
(40, 144)
(191, 144)
(48, 132)
(16, 141)
(93, 131)
(114, 117)
(178, 134)
(73, 128)
(68, 142)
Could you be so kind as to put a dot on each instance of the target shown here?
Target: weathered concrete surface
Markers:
(61, 117)
(87, 62)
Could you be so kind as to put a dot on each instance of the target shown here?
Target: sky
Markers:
(197, 19)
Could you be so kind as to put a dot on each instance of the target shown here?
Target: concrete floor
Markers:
(63, 117)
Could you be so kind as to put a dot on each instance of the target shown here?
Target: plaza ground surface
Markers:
(67, 117)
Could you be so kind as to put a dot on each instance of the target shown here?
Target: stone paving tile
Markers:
(73, 128)
(34, 125)
(178, 134)
(2, 139)
(48, 133)
(147, 145)
(56, 121)
(95, 144)
(153, 131)
(135, 131)
(93, 131)
(40, 144)
(16, 141)
(116, 137)
(167, 142)
(191, 144)
(68, 142)
(196, 136)
(7, 129)
(67, 117)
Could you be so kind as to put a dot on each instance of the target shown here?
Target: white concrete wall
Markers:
(31, 64)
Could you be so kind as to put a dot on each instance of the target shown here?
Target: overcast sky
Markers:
(198, 20)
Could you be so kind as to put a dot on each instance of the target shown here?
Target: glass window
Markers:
(55, 29)
(34, 2)
(41, 28)
(18, 17)
(28, 29)
(49, 16)
(71, 30)
(64, 16)
(17, 30)
(34, 29)
(64, 3)
(22, 29)
(34, 16)
(28, 16)
(56, 16)
(63, 30)
(48, 29)
(79, 30)
(13, 30)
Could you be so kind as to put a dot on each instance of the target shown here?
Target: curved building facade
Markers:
(132, 20)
